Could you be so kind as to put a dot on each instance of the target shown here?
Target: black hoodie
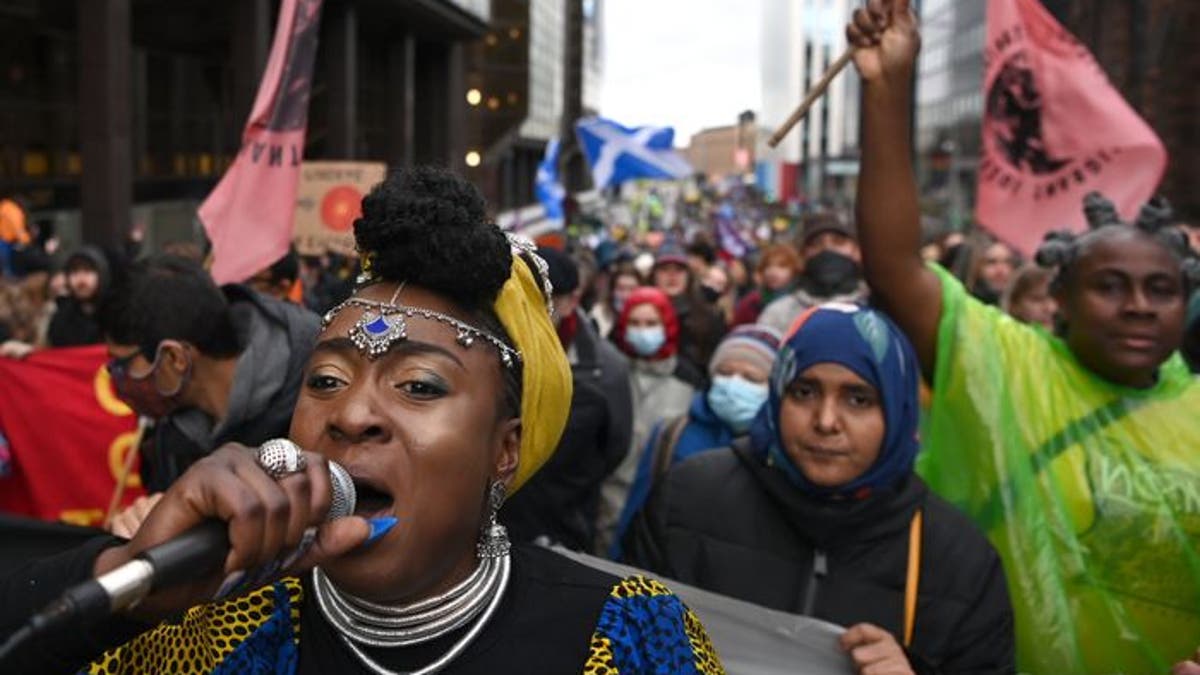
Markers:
(74, 322)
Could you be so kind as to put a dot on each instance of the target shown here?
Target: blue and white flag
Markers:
(548, 188)
(732, 241)
(617, 154)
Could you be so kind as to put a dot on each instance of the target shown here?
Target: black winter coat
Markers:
(725, 522)
(560, 502)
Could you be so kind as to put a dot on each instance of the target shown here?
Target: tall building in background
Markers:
(536, 71)
(121, 111)
(949, 107)
(593, 55)
(728, 153)
(546, 73)
(818, 161)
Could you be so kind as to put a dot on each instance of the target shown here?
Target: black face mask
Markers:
(710, 294)
(830, 273)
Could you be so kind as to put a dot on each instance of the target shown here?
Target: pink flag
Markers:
(1054, 129)
(249, 216)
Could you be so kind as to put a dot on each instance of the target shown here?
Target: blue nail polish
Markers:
(380, 527)
(231, 583)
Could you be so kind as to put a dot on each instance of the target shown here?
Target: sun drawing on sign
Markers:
(340, 207)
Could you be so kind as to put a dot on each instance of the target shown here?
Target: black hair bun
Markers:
(1057, 249)
(1155, 215)
(1099, 211)
(430, 228)
(1191, 272)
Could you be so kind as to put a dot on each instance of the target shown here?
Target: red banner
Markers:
(1054, 129)
(68, 435)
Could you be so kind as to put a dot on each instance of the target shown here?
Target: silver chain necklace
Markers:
(378, 625)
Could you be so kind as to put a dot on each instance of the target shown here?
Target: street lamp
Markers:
(473, 159)
(474, 96)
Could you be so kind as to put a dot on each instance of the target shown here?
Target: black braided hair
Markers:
(1061, 248)
(429, 227)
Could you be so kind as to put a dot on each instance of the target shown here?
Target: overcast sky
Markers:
(690, 64)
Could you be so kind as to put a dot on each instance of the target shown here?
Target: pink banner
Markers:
(249, 216)
(1054, 129)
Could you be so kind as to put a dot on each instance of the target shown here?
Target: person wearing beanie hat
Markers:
(739, 370)
(831, 271)
(829, 232)
(560, 503)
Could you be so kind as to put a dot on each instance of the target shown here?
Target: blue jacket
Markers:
(703, 431)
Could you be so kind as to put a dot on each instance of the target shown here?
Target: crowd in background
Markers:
(674, 334)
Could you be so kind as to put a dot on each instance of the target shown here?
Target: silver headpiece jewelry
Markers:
(385, 323)
(524, 245)
(382, 324)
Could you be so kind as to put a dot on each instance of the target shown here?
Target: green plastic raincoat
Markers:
(1090, 491)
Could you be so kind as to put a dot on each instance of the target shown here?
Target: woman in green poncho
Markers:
(1078, 452)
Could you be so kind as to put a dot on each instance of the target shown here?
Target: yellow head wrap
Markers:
(546, 380)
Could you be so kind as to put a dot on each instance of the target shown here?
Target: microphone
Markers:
(190, 555)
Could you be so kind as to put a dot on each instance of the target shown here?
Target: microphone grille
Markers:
(344, 497)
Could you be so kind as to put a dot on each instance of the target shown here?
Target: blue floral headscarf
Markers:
(869, 344)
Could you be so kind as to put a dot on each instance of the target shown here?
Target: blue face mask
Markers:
(646, 341)
(736, 401)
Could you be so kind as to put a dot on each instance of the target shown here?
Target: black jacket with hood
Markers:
(560, 502)
(276, 339)
(726, 522)
(74, 322)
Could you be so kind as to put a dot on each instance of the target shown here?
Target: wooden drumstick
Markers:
(813, 95)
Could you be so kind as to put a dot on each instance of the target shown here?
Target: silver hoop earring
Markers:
(493, 538)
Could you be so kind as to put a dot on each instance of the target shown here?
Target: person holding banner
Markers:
(1075, 452)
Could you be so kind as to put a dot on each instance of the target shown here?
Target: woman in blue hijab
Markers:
(819, 511)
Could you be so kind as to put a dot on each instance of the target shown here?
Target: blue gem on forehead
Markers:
(375, 332)
(378, 327)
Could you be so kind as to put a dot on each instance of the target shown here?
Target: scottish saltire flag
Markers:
(548, 188)
(617, 154)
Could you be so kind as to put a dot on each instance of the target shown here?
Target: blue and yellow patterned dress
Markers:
(557, 617)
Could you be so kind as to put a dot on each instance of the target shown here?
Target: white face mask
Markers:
(646, 341)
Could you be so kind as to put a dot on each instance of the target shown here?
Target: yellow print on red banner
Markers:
(117, 453)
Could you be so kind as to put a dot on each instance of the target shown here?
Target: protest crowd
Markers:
(968, 454)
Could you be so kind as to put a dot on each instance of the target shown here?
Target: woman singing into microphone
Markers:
(441, 387)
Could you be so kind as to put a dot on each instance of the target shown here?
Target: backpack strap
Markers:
(913, 577)
(664, 449)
